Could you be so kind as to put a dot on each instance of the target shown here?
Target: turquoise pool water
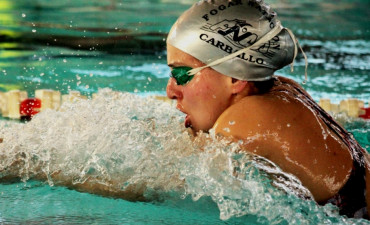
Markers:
(90, 45)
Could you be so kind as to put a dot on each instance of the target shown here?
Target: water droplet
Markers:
(42, 74)
(214, 96)
(87, 86)
(33, 31)
(24, 15)
(227, 129)
(288, 125)
(100, 63)
(232, 122)
(64, 60)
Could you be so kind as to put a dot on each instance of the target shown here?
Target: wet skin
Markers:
(205, 97)
(276, 126)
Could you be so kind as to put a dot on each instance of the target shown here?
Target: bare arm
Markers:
(16, 171)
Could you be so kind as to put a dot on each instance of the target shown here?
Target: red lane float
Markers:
(366, 114)
(29, 107)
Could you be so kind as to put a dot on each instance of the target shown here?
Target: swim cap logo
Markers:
(269, 48)
(237, 32)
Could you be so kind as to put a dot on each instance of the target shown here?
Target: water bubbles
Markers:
(100, 63)
(122, 140)
(64, 60)
(24, 15)
(226, 129)
(288, 125)
(232, 122)
(34, 31)
(42, 74)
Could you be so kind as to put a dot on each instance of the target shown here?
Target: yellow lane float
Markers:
(15, 104)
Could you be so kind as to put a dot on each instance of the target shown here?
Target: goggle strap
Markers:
(295, 40)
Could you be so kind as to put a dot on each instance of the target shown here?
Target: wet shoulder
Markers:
(282, 128)
(258, 113)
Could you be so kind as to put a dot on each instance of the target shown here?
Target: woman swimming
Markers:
(231, 49)
(223, 55)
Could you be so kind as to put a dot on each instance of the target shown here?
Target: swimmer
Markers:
(231, 50)
(223, 55)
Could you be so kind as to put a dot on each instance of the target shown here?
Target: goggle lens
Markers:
(181, 75)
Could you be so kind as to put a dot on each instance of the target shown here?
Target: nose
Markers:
(173, 90)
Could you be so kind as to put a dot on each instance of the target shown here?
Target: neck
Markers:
(249, 89)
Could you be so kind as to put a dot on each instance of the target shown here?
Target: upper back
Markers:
(282, 127)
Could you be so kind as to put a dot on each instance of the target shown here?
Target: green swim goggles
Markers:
(181, 75)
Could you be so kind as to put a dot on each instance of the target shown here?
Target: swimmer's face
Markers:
(203, 98)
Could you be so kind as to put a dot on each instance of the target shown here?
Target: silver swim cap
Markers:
(238, 38)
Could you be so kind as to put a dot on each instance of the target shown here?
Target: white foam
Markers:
(142, 142)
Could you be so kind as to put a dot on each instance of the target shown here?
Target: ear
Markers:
(238, 86)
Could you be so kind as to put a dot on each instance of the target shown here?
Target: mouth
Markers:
(187, 122)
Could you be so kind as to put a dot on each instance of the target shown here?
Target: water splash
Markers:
(126, 142)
